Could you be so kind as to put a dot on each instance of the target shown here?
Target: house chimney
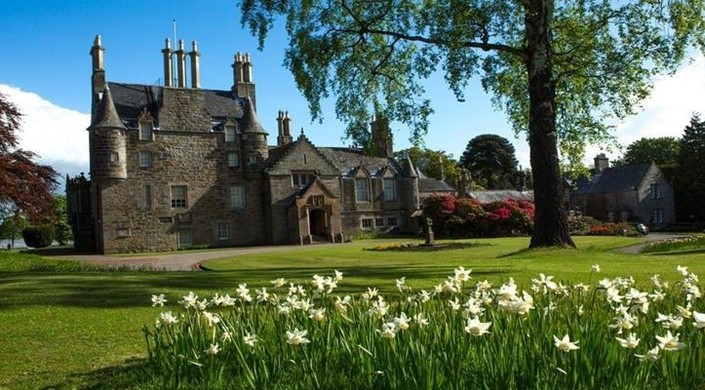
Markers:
(283, 123)
(195, 68)
(243, 85)
(97, 54)
(168, 70)
(98, 81)
(601, 163)
(181, 65)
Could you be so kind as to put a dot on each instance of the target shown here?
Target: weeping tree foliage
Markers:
(559, 69)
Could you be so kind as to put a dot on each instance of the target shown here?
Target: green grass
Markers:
(66, 325)
(678, 245)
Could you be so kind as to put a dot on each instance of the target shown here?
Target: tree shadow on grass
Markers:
(128, 375)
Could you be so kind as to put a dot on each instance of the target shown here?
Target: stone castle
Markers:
(178, 166)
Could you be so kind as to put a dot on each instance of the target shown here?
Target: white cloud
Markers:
(56, 134)
(668, 110)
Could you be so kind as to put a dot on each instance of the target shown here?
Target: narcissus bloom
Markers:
(402, 321)
(699, 320)
(213, 349)
(317, 314)
(167, 318)
(595, 268)
(651, 356)
(297, 337)
(158, 300)
(630, 342)
(190, 300)
(670, 342)
(565, 344)
(278, 282)
(250, 339)
(477, 328)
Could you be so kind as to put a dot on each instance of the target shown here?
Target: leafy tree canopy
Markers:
(433, 163)
(558, 68)
(491, 161)
(691, 177)
(25, 186)
(661, 150)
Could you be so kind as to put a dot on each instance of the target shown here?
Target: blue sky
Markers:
(46, 70)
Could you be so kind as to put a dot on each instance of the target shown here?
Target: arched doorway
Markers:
(317, 222)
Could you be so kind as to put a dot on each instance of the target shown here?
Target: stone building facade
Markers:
(177, 166)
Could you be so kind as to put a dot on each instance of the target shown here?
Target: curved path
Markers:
(173, 261)
(648, 239)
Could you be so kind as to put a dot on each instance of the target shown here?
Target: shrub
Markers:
(613, 229)
(581, 224)
(38, 236)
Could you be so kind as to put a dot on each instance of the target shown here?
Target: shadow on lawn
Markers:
(125, 376)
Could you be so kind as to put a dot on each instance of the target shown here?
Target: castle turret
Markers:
(108, 143)
(243, 84)
(381, 137)
(254, 137)
(284, 127)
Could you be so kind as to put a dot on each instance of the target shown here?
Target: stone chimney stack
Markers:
(98, 80)
(381, 137)
(243, 84)
(181, 65)
(283, 125)
(601, 163)
(195, 67)
(168, 69)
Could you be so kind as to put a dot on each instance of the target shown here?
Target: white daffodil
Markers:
(297, 337)
(698, 320)
(249, 339)
(167, 318)
(454, 304)
(476, 328)
(423, 296)
(338, 276)
(402, 321)
(244, 293)
(189, 301)
(342, 304)
(657, 296)
(670, 321)
(462, 274)
(211, 319)
(213, 349)
(484, 285)
(284, 309)
(389, 330)
(595, 268)
(401, 284)
(670, 342)
(581, 310)
(371, 293)
(685, 312)
(317, 314)
(565, 344)
(158, 300)
(278, 282)
(261, 295)
(202, 305)
(581, 288)
(227, 336)
(651, 355)
(421, 320)
(630, 342)
(682, 270)
(379, 308)
(656, 280)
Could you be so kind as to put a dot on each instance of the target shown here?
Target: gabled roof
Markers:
(303, 191)
(427, 185)
(614, 179)
(348, 160)
(277, 153)
(106, 115)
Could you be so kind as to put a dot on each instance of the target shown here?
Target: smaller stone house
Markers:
(630, 193)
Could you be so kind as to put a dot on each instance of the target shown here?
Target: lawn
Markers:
(66, 326)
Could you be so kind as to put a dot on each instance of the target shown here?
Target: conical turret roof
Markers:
(408, 168)
(106, 115)
(250, 124)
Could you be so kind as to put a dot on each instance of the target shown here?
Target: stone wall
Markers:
(184, 109)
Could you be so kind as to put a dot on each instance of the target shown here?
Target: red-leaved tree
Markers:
(25, 186)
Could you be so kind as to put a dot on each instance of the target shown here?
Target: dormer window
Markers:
(145, 131)
(656, 191)
(362, 190)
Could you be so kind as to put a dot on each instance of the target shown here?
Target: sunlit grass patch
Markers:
(417, 247)
(681, 244)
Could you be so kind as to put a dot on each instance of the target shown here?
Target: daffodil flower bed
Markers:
(696, 242)
(461, 334)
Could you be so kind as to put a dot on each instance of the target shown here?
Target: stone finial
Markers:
(97, 54)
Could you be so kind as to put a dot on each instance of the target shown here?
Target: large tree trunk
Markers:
(550, 226)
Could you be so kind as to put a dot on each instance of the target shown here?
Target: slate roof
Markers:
(348, 159)
(490, 196)
(106, 114)
(614, 179)
(428, 185)
(132, 99)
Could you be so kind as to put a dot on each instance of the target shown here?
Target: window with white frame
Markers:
(178, 197)
(223, 233)
(238, 199)
(362, 190)
(233, 159)
(145, 131)
(656, 191)
(366, 223)
(145, 159)
(390, 189)
(230, 132)
(392, 221)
